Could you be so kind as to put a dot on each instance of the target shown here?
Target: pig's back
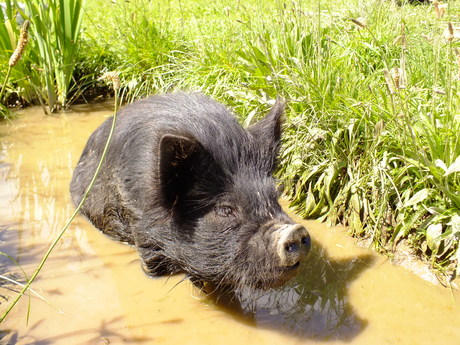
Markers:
(129, 176)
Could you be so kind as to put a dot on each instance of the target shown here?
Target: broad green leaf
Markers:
(310, 201)
(432, 236)
(454, 167)
(417, 197)
(355, 218)
(457, 256)
(440, 164)
(11, 34)
(455, 224)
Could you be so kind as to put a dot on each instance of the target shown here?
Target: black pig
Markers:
(193, 191)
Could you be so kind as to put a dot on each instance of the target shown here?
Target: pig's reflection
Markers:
(314, 305)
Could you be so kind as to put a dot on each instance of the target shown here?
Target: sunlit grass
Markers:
(47, 73)
(371, 134)
(372, 125)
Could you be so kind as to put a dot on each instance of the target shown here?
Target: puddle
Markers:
(93, 290)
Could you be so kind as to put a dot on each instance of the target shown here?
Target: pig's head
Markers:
(227, 225)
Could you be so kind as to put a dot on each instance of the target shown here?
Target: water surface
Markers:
(93, 290)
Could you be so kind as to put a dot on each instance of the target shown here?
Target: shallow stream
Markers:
(93, 290)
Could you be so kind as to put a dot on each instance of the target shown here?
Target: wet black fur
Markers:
(189, 187)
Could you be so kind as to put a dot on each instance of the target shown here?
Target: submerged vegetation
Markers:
(373, 120)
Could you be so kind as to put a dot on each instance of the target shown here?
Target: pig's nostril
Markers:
(291, 247)
(305, 241)
(292, 244)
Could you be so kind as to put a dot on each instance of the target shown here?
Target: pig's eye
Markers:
(224, 211)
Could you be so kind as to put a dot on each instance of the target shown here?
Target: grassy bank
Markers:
(372, 128)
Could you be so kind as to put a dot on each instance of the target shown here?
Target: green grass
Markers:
(357, 150)
(56, 30)
(46, 73)
(354, 152)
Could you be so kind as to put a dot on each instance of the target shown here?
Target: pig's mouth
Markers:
(278, 277)
(285, 274)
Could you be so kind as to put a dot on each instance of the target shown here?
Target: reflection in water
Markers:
(314, 305)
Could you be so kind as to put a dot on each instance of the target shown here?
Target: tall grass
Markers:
(9, 37)
(372, 126)
(50, 64)
(385, 159)
(56, 28)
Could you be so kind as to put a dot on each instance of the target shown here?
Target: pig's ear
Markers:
(267, 131)
(177, 154)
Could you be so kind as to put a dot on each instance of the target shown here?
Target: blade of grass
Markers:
(69, 222)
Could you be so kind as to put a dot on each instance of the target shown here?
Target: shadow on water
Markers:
(10, 257)
(314, 305)
(105, 331)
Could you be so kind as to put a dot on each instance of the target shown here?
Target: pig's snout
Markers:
(292, 243)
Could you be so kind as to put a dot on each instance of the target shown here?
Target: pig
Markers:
(194, 192)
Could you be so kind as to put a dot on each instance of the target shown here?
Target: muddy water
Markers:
(93, 291)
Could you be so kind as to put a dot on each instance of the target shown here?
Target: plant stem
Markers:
(5, 82)
(85, 195)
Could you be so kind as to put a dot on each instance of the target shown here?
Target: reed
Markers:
(56, 29)
(47, 76)
(16, 56)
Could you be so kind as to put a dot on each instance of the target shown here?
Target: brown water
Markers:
(93, 291)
